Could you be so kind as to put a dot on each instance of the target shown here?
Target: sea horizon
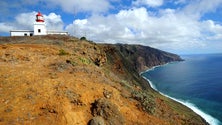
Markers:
(184, 99)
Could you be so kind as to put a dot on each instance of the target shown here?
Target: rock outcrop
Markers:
(108, 111)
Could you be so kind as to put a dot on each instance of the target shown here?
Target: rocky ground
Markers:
(62, 80)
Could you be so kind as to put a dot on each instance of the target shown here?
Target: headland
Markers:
(64, 80)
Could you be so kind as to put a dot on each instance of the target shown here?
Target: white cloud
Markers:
(150, 3)
(74, 6)
(121, 27)
(54, 22)
(198, 8)
(25, 20)
(170, 30)
(5, 27)
(212, 30)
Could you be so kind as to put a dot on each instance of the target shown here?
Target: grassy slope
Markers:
(62, 80)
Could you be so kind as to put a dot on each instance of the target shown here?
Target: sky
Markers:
(177, 26)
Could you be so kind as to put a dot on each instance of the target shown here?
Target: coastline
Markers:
(208, 118)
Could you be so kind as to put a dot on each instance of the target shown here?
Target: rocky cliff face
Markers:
(144, 57)
(134, 59)
(62, 80)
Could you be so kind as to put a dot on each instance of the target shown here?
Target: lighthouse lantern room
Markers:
(39, 25)
(39, 17)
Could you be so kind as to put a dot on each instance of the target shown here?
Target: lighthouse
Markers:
(39, 25)
(39, 29)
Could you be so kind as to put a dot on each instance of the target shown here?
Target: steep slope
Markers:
(134, 59)
(144, 57)
(62, 80)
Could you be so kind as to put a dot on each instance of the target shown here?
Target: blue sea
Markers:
(195, 82)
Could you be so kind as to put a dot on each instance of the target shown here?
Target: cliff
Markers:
(62, 80)
(144, 57)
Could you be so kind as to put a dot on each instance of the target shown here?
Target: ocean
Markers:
(195, 82)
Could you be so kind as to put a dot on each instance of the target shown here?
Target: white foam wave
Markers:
(211, 120)
(151, 84)
(151, 69)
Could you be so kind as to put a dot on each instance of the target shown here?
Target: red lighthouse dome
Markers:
(39, 17)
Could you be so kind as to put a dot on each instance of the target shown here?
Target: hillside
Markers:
(62, 80)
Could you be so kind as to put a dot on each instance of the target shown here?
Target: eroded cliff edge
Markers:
(134, 59)
(63, 80)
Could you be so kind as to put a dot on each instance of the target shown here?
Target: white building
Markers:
(39, 29)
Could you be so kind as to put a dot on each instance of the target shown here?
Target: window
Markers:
(25, 34)
(31, 34)
(39, 30)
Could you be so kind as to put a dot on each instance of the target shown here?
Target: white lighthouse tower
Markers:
(39, 29)
(39, 25)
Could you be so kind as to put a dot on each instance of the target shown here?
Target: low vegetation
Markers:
(147, 101)
(62, 52)
(85, 60)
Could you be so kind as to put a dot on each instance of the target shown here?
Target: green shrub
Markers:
(83, 38)
(62, 52)
(147, 101)
(85, 60)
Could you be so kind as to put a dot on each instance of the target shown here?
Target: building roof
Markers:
(21, 31)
